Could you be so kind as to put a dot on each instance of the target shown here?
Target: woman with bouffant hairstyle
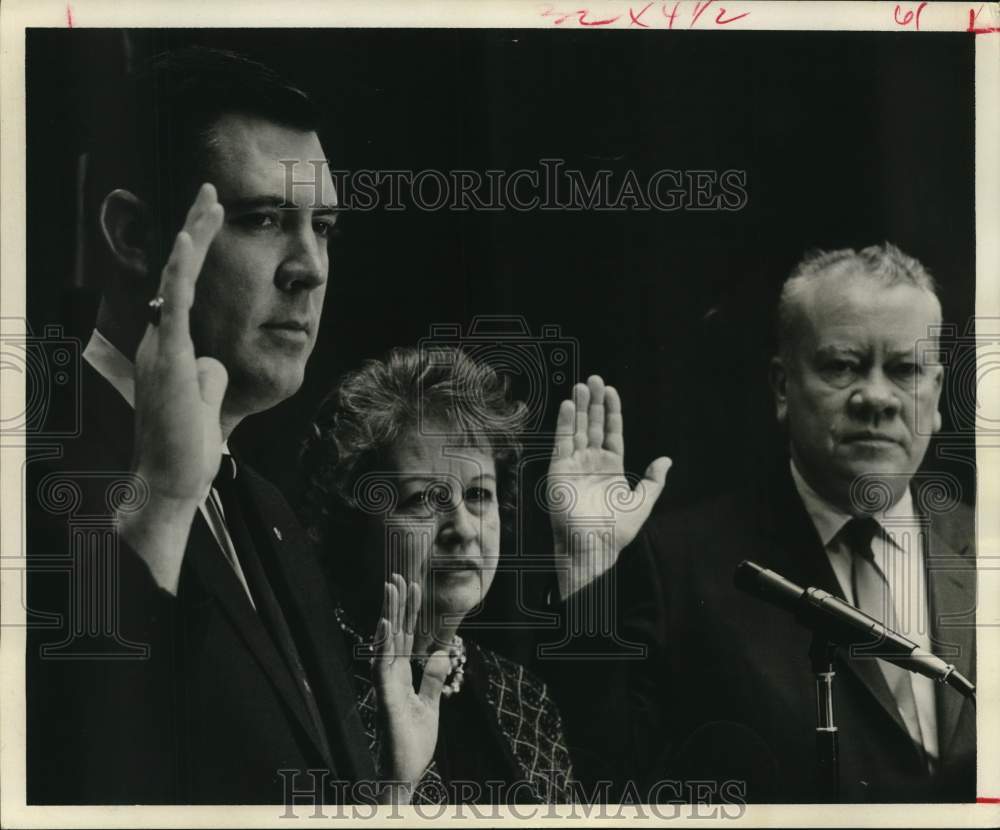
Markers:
(411, 462)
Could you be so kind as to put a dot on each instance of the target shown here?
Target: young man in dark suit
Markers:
(726, 689)
(190, 653)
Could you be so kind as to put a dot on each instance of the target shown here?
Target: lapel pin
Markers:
(277, 533)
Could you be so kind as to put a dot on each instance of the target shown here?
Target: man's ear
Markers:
(778, 377)
(124, 221)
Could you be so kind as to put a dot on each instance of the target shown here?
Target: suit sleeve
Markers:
(604, 665)
(100, 668)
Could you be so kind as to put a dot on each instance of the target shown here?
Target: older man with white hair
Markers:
(727, 690)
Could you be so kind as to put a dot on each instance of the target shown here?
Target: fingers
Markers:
(614, 439)
(592, 419)
(435, 674)
(595, 412)
(565, 424)
(381, 647)
(399, 609)
(147, 349)
(581, 400)
(212, 380)
(412, 608)
(177, 282)
(656, 472)
(385, 645)
(652, 484)
(401, 605)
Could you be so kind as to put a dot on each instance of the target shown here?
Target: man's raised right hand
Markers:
(178, 397)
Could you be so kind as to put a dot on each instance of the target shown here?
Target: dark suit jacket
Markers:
(726, 689)
(151, 698)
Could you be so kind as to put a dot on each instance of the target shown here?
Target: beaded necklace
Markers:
(456, 654)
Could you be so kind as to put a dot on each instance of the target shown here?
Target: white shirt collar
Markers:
(829, 519)
(111, 365)
(117, 369)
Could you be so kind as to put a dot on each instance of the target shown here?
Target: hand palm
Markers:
(191, 448)
(411, 721)
(594, 508)
(410, 717)
(595, 480)
(178, 395)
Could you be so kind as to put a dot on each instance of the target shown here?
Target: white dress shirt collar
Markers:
(829, 519)
(111, 365)
(117, 369)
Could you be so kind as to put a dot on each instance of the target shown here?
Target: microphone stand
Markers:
(827, 756)
(840, 623)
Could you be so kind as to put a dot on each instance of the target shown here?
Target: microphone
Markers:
(843, 624)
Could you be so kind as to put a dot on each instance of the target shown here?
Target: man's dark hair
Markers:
(159, 146)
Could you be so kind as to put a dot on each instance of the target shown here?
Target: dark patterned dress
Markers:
(500, 740)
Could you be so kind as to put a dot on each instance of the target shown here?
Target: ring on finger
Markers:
(155, 307)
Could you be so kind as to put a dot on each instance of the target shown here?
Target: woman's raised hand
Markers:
(410, 717)
(595, 511)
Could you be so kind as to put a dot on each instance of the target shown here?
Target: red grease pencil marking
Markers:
(979, 30)
(672, 15)
(908, 16)
(722, 11)
(580, 14)
(699, 10)
(637, 18)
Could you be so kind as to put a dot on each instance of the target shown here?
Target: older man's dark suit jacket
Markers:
(209, 712)
(727, 690)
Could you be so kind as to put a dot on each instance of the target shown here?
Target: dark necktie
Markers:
(873, 595)
(268, 608)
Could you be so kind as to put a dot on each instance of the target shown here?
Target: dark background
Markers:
(847, 138)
